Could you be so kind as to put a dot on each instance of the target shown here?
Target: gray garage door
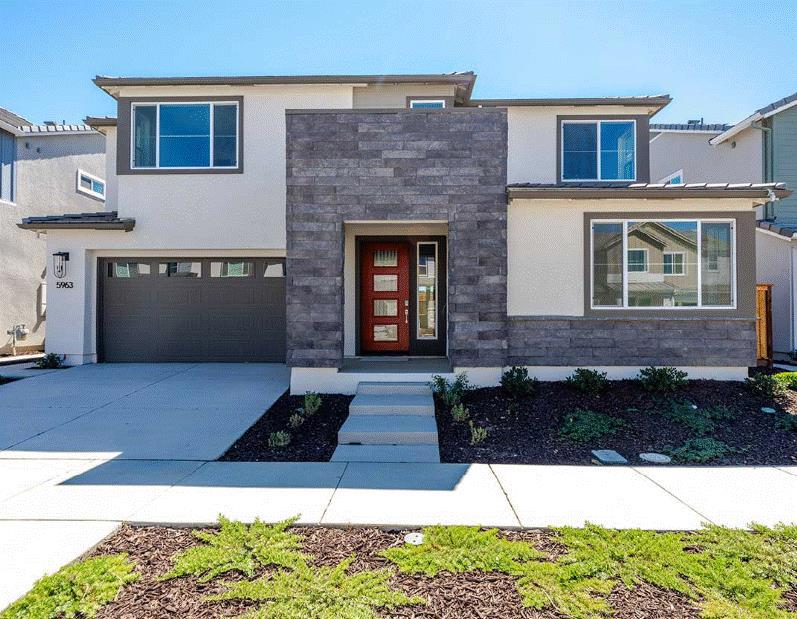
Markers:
(192, 309)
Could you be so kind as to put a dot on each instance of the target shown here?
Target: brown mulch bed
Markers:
(449, 596)
(529, 434)
(313, 441)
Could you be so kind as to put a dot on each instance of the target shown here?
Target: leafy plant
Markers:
(787, 379)
(584, 426)
(295, 420)
(699, 420)
(662, 381)
(477, 434)
(461, 549)
(765, 386)
(517, 382)
(77, 591)
(236, 547)
(591, 382)
(787, 422)
(320, 593)
(451, 392)
(700, 450)
(50, 361)
(279, 439)
(312, 403)
(460, 413)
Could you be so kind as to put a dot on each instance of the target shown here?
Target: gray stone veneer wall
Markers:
(631, 342)
(379, 165)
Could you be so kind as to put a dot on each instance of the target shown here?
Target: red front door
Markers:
(385, 297)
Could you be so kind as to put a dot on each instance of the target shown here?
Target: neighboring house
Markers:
(760, 148)
(335, 221)
(48, 168)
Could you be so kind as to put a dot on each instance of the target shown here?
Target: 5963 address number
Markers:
(64, 284)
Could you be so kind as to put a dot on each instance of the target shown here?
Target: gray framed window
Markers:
(663, 263)
(7, 164)
(598, 150)
(427, 104)
(185, 135)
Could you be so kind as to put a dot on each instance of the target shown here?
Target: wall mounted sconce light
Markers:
(60, 259)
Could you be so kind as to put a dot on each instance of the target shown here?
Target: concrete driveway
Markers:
(170, 411)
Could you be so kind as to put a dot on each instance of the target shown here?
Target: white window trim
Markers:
(647, 261)
(699, 252)
(436, 292)
(414, 101)
(157, 105)
(683, 263)
(598, 122)
(91, 192)
(667, 179)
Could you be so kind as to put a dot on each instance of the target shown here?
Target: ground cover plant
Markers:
(457, 572)
(584, 426)
(50, 361)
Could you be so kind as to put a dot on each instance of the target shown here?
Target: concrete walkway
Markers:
(62, 507)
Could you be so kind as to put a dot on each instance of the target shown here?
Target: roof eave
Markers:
(657, 103)
(759, 196)
(125, 226)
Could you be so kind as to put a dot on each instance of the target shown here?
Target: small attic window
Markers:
(90, 185)
(427, 104)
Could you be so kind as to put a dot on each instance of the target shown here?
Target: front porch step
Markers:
(386, 453)
(392, 404)
(394, 388)
(388, 430)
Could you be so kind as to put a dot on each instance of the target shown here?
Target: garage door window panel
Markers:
(231, 268)
(180, 269)
(128, 270)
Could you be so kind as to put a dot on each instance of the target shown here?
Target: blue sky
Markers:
(718, 60)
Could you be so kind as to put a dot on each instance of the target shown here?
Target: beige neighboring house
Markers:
(49, 168)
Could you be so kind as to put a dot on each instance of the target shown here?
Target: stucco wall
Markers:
(774, 263)
(46, 183)
(225, 210)
(704, 163)
(395, 95)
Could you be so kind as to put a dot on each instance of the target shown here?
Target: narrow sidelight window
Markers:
(427, 291)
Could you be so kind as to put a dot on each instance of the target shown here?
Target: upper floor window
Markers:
(91, 185)
(185, 135)
(598, 150)
(7, 156)
(427, 104)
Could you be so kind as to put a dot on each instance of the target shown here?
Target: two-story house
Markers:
(388, 224)
(46, 169)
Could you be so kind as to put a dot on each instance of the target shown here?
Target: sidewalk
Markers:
(46, 502)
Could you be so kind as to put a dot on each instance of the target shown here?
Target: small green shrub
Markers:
(591, 382)
(279, 439)
(765, 386)
(319, 593)
(451, 392)
(584, 426)
(461, 549)
(699, 420)
(76, 591)
(460, 413)
(295, 420)
(787, 379)
(661, 381)
(477, 434)
(312, 402)
(237, 547)
(700, 450)
(787, 422)
(517, 382)
(50, 361)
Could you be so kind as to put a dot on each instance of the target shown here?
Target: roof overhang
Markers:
(757, 193)
(751, 120)
(84, 221)
(100, 121)
(654, 103)
(463, 82)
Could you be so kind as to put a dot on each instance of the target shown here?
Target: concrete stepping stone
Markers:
(768, 410)
(386, 453)
(655, 458)
(392, 404)
(607, 456)
(388, 430)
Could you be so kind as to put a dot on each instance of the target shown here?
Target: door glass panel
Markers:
(427, 291)
(385, 258)
(386, 307)
(231, 268)
(128, 269)
(385, 283)
(180, 269)
(385, 333)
